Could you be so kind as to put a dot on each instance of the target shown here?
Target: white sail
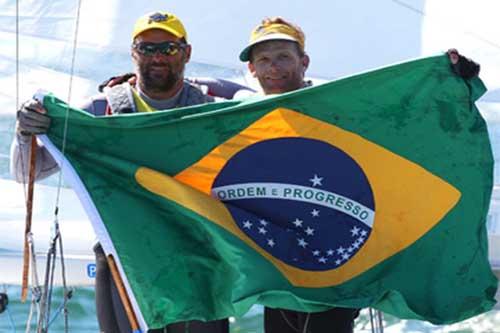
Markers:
(342, 38)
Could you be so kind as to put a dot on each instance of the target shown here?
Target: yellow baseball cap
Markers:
(160, 20)
(273, 30)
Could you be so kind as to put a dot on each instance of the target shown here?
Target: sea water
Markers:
(82, 318)
(81, 307)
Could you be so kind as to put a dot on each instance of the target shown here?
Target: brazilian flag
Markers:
(371, 190)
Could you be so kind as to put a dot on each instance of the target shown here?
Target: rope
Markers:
(296, 329)
(30, 314)
(306, 323)
(61, 309)
(67, 293)
(376, 321)
(380, 321)
(293, 327)
(41, 327)
(35, 288)
(51, 278)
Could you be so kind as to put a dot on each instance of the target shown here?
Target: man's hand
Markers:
(131, 78)
(32, 119)
(462, 66)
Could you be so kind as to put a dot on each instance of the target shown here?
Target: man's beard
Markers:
(154, 81)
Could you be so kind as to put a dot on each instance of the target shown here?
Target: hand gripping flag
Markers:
(367, 191)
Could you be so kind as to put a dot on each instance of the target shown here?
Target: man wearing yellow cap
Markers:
(276, 57)
(159, 52)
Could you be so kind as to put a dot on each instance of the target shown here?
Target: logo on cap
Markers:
(157, 17)
(260, 29)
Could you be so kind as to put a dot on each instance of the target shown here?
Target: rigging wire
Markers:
(18, 89)
(424, 14)
(410, 7)
(42, 297)
(36, 289)
(17, 54)
(376, 321)
(70, 88)
(306, 323)
(56, 241)
(67, 293)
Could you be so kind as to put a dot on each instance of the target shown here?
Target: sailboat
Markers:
(63, 44)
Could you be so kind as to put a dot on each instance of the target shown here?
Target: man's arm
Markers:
(20, 158)
(214, 87)
(220, 87)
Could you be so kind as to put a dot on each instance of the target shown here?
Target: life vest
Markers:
(120, 98)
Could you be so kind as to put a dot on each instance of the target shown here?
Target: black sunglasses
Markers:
(165, 48)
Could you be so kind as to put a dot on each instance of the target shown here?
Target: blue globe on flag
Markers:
(303, 201)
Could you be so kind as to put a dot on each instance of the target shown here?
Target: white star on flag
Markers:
(262, 231)
(330, 252)
(315, 213)
(345, 256)
(247, 224)
(322, 260)
(355, 231)
(316, 253)
(309, 231)
(263, 222)
(302, 242)
(340, 250)
(270, 242)
(298, 223)
(316, 181)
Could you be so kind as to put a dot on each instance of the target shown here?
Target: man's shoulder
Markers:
(194, 95)
(244, 94)
(96, 105)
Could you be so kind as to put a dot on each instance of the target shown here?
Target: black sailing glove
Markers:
(462, 66)
(32, 119)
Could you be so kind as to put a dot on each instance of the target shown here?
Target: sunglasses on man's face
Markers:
(165, 48)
